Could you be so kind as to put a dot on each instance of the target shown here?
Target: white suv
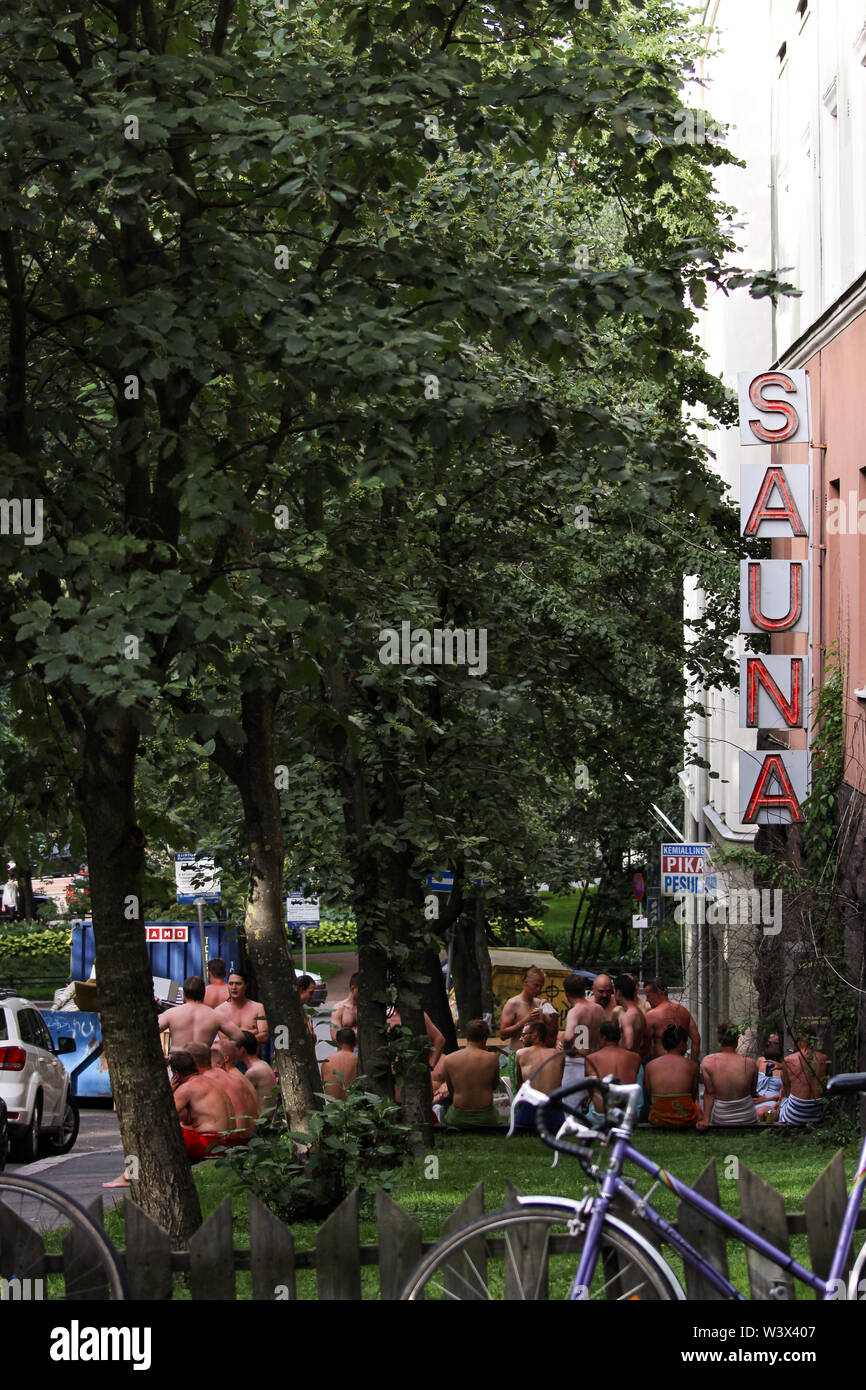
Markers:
(34, 1083)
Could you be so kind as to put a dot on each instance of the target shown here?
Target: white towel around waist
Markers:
(734, 1112)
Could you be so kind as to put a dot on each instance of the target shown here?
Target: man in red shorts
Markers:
(202, 1108)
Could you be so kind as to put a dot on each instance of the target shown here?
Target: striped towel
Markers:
(796, 1111)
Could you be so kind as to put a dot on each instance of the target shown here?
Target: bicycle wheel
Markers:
(531, 1254)
(51, 1248)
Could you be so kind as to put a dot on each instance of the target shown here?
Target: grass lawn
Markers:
(326, 968)
(791, 1165)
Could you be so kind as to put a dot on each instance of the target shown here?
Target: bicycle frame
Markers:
(613, 1185)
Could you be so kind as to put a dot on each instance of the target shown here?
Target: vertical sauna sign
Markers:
(775, 595)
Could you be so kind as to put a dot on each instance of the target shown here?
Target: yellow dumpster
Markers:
(508, 966)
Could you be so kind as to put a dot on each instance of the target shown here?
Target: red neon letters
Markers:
(784, 408)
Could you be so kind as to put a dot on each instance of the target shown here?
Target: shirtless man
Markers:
(241, 1011)
(523, 1008)
(542, 1066)
(582, 1024)
(202, 1108)
(664, 1011)
(217, 991)
(261, 1077)
(471, 1077)
(245, 1100)
(611, 1059)
(538, 1062)
(341, 1068)
(193, 1021)
(730, 1083)
(671, 1082)
(602, 993)
(805, 1069)
(345, 1014)
(631, 1021)
(203, 1058)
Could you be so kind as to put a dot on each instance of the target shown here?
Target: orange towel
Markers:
(674, 1112)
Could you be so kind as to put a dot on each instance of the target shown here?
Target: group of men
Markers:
(653, 1041)
(222, 1088)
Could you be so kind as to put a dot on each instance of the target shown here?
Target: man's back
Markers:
(263, 1079)
(474, 1075)
(203, 1106)
(189, 1023)
(672, 1075)
(659, 1018)
(611, 1060)
(729, 1076)
(346, 1063)
(634, 1030)
(216, 994)
(543, 1066)
(806, 1069)
(590, 1016)
(245, 1101)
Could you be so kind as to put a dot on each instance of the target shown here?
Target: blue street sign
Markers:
(441, 883)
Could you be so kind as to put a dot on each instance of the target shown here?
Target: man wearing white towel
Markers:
(730, 1083)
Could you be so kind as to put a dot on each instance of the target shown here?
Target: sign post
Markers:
(640, 924)
(199, 907)
(302, 912)
(197, 882)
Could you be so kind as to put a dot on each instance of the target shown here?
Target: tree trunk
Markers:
(435, 1000)
(26, 911)
(149, 1127)
(473, 974)
(264, 927)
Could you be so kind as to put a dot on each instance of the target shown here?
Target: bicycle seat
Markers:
(846, 1082)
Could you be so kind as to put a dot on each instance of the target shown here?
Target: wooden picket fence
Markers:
(211, 1263)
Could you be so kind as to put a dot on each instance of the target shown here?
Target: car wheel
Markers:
(27, 1149)
(63, 1139)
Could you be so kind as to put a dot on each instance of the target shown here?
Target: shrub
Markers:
(33, 943)
(358, 1142)
(339, 933)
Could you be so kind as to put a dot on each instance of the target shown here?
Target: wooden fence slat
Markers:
(22, 1252)
(399, 1246)
(272, 1255)
(83, 1270)
(338, 1266)
(762, 1209)
(465, 1277)
(704, 1235)
(825, 1206)
(148, 1255)
(211, 1256)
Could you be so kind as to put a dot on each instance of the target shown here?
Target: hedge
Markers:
(33, 943)
(340, 933)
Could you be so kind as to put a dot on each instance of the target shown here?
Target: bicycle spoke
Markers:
(530, 1255)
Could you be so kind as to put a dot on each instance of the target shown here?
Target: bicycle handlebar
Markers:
(581, 1152)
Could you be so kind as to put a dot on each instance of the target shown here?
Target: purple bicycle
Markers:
(547, 1248)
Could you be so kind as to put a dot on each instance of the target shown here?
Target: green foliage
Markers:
(330, 934)
(353, 1143)
(33, 943)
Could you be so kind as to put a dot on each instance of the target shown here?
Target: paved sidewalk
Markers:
(79, 1175)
